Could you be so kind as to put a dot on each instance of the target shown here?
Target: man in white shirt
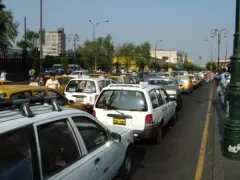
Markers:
(53, 82)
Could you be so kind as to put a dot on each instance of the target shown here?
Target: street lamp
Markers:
(156, 53)
(75, 39)
(231, 138)
(95, 25)
(218, 33)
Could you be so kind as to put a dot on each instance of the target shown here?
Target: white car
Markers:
(145, 109)
(47, 142)
(85, 90)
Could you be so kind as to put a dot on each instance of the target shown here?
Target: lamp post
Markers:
(75, 39)
(231, 138)
(211, 52)
(218, 33)
(226, 53)
(95, 25)
(156, 54)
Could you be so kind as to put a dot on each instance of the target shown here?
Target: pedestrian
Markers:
(4, 75)
(53, 82)
(41, 81)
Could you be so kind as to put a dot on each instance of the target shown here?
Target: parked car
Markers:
(145, 109)
(185, 83)
(49, 142)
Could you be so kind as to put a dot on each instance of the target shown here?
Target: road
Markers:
(176, 158)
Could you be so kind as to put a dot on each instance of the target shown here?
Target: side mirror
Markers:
(115, 137)
(70, 101)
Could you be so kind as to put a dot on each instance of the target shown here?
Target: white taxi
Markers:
(46, 142)
(145, 109)
(85, 90)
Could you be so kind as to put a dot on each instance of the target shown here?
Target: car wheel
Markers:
(159, 136)
(125, 170)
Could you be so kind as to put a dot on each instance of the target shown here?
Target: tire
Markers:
(125, 170)
(159, 136)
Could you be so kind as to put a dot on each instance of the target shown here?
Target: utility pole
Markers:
(41, 33)
(75, 39)
(95, 25)
(231, 138)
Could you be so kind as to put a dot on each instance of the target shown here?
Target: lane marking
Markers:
(200, 164)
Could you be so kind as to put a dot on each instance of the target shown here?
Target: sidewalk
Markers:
(217, 167)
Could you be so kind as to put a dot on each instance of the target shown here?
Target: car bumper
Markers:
(147, 133)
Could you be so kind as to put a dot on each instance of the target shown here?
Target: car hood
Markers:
(120, 130)
(170, 87)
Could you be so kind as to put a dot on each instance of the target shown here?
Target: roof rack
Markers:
(23, 105)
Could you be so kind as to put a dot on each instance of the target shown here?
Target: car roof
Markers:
(89, 79)
(137, 87)
(12, 119)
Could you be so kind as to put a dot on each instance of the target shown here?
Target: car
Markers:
(185, 83)
(171, 86)
(145, 109)
(25, 91)
(194, 81)
(85, 90)
(49, 142)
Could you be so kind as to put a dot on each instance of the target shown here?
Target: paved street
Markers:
(177, 156)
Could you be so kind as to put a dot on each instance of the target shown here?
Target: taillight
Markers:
(149, 119)
(94, 113)
(88, 106)
(96, 96)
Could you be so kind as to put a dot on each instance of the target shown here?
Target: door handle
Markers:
(96, 161)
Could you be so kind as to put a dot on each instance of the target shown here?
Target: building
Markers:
(54, 43)
(170, 56)
(223, 62)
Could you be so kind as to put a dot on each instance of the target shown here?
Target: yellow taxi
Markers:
(5, 82)
(25, 91)
(185, 83)
(63, 81)
(123, 79)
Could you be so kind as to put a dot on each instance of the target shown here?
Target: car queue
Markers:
(86, 129)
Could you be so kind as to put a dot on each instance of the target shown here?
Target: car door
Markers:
(105, 155)
(158, 110)
(163, 110)
(169, 104)
(60, 155)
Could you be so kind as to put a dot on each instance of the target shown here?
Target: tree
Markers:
(127, 51)
(142, 55)
(31, 39)
(211, 66)
(108, 50)
(8, 28)
(64, 63)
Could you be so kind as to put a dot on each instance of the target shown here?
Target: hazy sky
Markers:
(181, 24)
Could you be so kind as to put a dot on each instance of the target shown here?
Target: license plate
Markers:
(79, 99)
(119, 121)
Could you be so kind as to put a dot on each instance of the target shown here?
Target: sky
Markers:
(180, 24)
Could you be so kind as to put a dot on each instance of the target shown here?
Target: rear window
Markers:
(117, 80)
(82, 86)
(64, 81)
(122, 100)
(182, 80)
(162, 82)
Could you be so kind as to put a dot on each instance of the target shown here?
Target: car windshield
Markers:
(122, 100)
(75, 73)
(162, 82)
(82, 86)
(117, 80)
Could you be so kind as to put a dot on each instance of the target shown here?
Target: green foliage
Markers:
(211, 66)
(127, 51)
(31, 39)
(8, 28)
(64, 63)
(142, 55)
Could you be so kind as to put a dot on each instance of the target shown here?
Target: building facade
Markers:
(54, 43)
(170, 56)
